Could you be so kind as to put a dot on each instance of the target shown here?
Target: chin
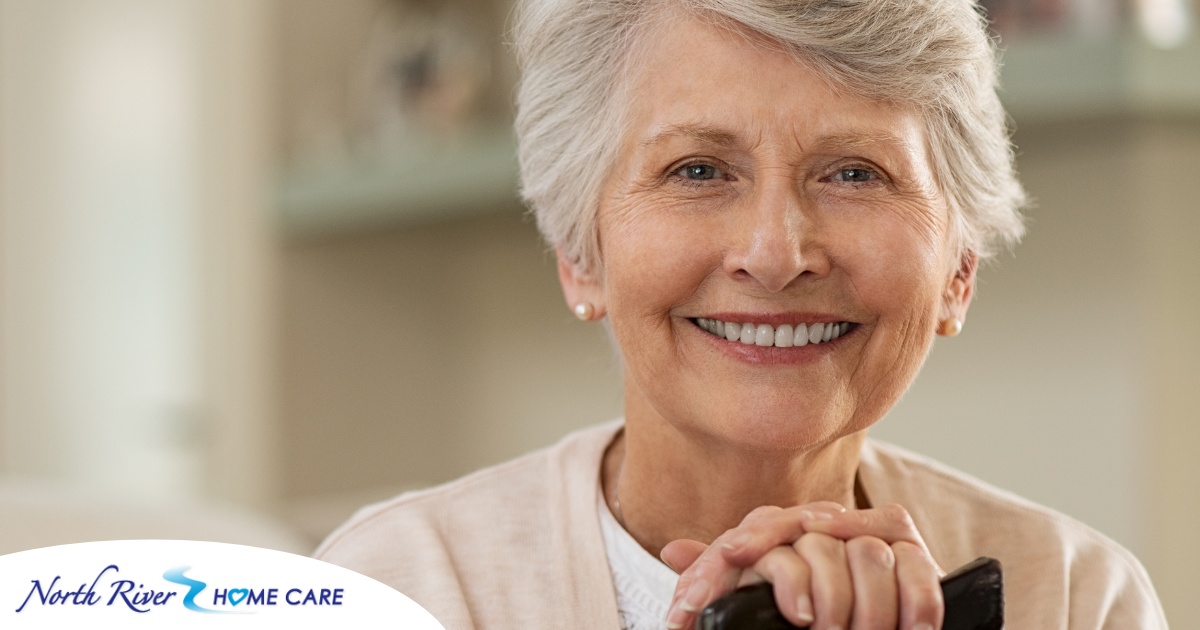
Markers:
(769, 429)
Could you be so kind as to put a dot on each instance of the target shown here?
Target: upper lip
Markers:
(775, 319)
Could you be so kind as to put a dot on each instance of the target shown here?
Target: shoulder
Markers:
(466, 503)
(1057, 570)
(455, 548)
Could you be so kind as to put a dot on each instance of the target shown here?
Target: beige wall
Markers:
(413, 356)
(137, 251)
(1167, 156)
(137, 246)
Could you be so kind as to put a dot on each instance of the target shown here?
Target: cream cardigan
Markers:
(519, 545)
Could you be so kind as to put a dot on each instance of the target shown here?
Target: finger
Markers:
(832, 588)
(791, 581)
(762, 531)
(873, 573)
(921, 604)
(749, 578)
(681, 554)
(759, 513)
(891, 523)
(708, 578)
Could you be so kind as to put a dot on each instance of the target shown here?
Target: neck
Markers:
(665, 485)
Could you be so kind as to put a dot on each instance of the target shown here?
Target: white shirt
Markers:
(643, 583)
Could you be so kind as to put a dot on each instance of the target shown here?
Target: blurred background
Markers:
(261, 262)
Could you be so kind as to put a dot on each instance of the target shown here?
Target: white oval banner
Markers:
(191, 584)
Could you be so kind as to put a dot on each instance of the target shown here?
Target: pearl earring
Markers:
(585, 311)
(950, 327)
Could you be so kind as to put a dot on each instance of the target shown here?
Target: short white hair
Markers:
(934, 56)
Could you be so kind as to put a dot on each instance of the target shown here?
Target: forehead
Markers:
(698, 81)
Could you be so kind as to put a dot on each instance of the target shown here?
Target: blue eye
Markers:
(700, 172)
(855, 175)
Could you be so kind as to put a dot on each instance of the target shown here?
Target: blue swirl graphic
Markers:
(195, 586)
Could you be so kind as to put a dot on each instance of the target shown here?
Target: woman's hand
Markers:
(830, 568)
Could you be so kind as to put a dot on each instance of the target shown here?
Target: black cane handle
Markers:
(974, 596)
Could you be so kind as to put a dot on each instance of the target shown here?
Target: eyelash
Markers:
(720, 173)
(873, 174)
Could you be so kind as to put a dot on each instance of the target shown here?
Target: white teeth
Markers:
(765, 335)
(783, 336)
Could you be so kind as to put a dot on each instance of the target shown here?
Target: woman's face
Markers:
(747, 191)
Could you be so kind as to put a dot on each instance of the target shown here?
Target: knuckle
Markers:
(826, 505)
(781, 564)
(760, 513)
(926, 602)
(872, 551)
(707, 563)
(822, 544)
(895, 514)
(915, 557)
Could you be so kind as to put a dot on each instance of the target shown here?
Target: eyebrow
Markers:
(703, 133)
(709, 134)
(860, 139)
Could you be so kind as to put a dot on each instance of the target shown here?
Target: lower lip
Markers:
(771, 355)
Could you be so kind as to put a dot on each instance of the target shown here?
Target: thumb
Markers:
(680, 554)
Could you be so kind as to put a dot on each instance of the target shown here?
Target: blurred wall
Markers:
(138, 240)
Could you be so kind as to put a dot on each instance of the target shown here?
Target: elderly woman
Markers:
(775, 205)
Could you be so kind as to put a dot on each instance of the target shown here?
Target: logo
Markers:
(189, 584)
(110, 588)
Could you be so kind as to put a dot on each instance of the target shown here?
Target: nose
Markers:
(775, 240)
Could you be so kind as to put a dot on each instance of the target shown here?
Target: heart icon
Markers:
(238, 595)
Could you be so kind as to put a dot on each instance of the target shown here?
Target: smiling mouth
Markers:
(783, 336)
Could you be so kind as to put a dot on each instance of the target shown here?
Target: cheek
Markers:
(897, 272)
(653, 258)
(896, 256)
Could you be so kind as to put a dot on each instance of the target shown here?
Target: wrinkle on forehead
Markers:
(714, 134)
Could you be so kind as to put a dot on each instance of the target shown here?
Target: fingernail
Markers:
(804, 609)
(675, 617)
(809, 515)
(923, 626)
(696, 595)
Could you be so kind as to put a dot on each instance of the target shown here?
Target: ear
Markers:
(580, 287)
(959, 291)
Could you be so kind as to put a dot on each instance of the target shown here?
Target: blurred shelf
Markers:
(420, 184)
(1052, 78)
(1044, 79)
